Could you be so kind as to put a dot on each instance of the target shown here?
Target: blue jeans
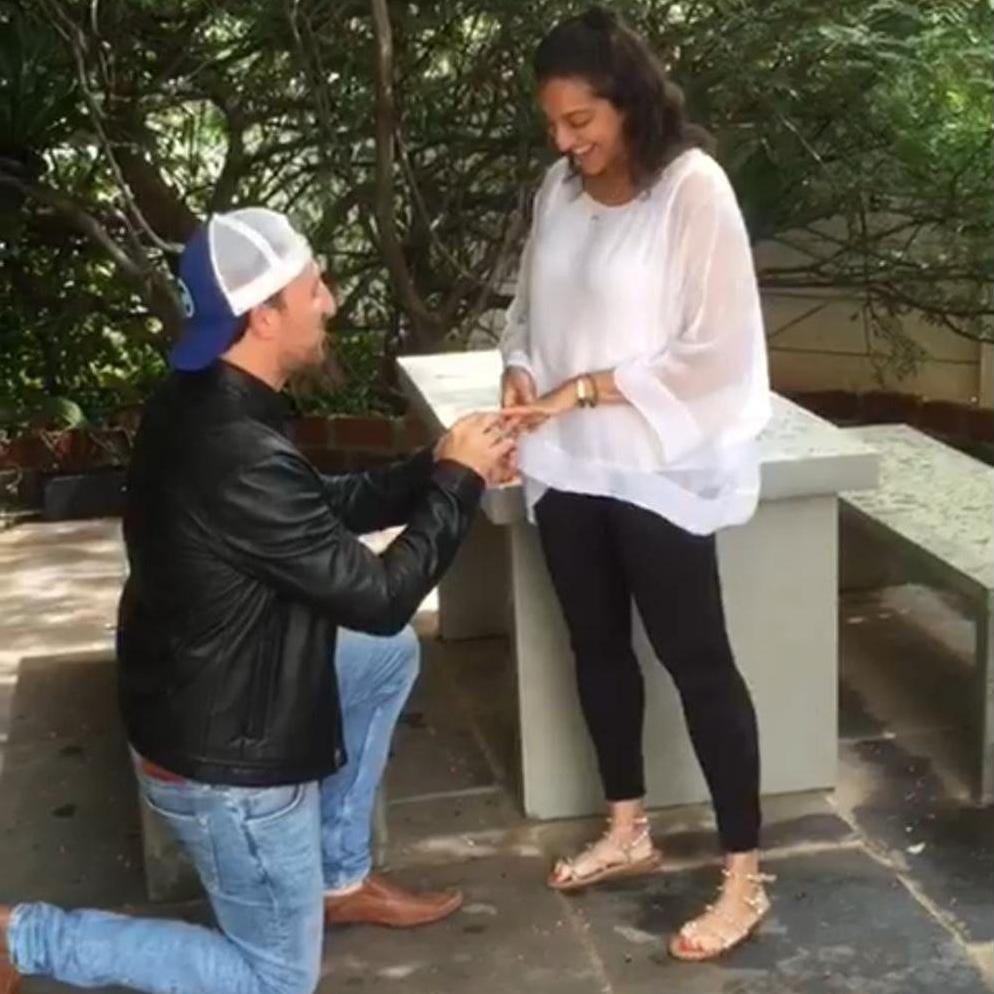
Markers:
(264, 855)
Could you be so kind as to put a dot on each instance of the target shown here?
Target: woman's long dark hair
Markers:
(599, 48)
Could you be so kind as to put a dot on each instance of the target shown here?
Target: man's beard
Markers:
(321, 372)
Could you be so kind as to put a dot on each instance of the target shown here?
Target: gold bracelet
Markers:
(586, 391)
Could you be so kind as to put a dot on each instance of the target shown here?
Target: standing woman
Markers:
(635, 347)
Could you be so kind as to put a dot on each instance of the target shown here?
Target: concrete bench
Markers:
(935, 508)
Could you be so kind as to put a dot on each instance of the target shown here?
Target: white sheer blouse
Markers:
(662, 290)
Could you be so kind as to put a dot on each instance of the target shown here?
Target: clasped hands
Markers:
(487, 442)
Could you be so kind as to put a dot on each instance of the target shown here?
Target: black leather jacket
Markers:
(243, 563)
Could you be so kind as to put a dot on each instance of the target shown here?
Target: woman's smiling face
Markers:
(582, 125)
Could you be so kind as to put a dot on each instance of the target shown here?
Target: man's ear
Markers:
(263, 322)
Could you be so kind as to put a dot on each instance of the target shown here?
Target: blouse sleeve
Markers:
(709, 385)
(514, 343)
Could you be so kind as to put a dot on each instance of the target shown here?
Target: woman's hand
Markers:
(558, 401)
(517, 388)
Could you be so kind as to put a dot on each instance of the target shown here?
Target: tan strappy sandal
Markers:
(607, 858)
(716, 933)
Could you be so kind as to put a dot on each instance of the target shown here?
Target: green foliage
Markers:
(70, 328)
(858, 134)
(363, 383)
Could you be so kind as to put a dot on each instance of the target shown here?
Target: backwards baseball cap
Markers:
(231, 264)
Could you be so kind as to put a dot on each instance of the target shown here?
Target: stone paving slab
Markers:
(916, 916)
(841, 924)
(434, 749)
(69, 828)
(946, 849)
(512, 935)
(59, 587)
(903, 765)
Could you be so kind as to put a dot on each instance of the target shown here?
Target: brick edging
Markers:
(339, 443)
(373, 436)
(342, 443)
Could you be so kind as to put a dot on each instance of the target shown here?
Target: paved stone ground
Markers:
(884, 887)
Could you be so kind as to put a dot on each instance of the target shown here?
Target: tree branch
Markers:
(425, 326)
(81, 219)
(156, 287)
(72, 34)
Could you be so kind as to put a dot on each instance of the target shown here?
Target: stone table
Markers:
(780, 578)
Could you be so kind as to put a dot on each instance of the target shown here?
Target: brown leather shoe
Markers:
(10, 979)
(380, 902)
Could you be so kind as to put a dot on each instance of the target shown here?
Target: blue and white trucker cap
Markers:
(231, 264)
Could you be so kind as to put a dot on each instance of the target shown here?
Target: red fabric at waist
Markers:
(156, 772)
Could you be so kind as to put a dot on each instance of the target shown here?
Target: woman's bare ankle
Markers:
(742, 864)
(627, 820)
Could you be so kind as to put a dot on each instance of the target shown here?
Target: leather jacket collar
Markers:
(252, 396)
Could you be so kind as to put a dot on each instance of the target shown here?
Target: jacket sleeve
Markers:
(275, 521)
(380, 498)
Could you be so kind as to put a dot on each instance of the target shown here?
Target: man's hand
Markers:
(517, 388)
(483, 442)
(507, 472)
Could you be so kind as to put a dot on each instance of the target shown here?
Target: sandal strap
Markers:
(760, 904)
(716, 925)
(733, 930)
(757, 900)
(696, 928)
(626, 849)
(639, 837)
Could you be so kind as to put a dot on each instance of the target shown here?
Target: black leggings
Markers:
(603, 552)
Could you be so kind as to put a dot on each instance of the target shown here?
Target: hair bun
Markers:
(599, 18)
